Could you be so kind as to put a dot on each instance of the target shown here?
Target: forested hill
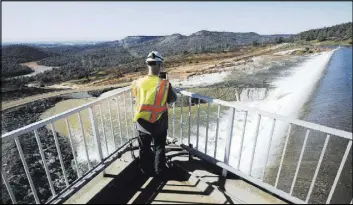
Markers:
(114, 53)
(128, 54)
(337, 32)
(22, 53)
(13, 55)
(201, 41)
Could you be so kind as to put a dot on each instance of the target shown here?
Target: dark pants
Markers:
(152, 162)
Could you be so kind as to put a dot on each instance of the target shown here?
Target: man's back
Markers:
(149, 85)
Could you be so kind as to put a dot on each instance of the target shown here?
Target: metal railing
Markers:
(225, 163)
(235, 106)
(33, 128)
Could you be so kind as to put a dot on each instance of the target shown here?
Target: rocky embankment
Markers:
(14, 118)
(18, 117)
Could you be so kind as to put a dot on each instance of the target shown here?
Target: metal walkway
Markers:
(131, 187)
(111, 141)
(188, 181)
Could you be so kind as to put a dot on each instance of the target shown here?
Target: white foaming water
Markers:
(201, 80)
(286, 99)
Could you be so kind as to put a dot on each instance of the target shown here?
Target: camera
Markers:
(163, 75)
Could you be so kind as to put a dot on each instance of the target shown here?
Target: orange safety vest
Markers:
(151, 98)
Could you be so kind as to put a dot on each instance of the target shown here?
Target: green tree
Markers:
(279, 40)
(321, 37)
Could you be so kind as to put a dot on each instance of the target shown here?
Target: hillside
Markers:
(13, 55)
(201, 42)
(22, 53)
(135, 40)
(337, 32)
(128, 54)
(115, 53)
(9, 69)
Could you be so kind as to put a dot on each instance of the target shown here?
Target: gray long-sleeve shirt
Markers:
(161, 125)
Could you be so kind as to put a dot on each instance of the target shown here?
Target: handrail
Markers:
(234, 106)
(60, 116)
(237, 105)
(15, 134)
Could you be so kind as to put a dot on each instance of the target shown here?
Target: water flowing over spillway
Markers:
(287, 98)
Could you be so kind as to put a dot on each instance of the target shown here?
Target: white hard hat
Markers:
(154, 56)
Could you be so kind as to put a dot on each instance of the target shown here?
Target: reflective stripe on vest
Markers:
(159, 102)
(155, 111)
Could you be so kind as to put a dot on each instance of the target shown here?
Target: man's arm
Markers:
(172, 96)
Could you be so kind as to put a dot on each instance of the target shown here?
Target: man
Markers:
(152, 94)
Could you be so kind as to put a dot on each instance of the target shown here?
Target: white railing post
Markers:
(207, 125)
(181, 120)
(118, 116)
(198, 124)
(229, 139)
(95, 134)
(268, 148)
(255, 142)
(59, 153)
(126, 123)
(132, 115)
(189, 121)
(84, 141)
(242, 139)
(344, 159)
(44, 162)
(103, 129)
(217, 128)
(299, 162)
(317, 168)
(24, 163)
(111, 124)
(72, 146)
(8, 187)
(283, 153)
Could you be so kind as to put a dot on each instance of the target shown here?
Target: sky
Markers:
(99, 21)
